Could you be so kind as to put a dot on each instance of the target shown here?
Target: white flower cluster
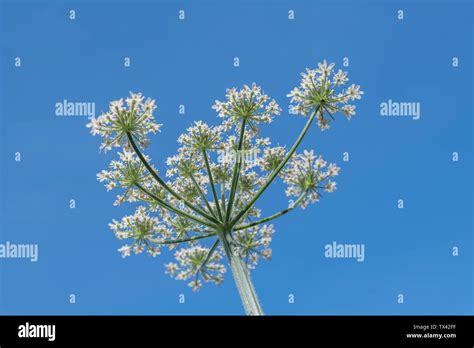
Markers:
(125, 173)
(271, 158)
(321, 91)
(253, 243)
(134, 117)
(251, 175)
(187, 177)
(193, 202)
(193, 262)
(142, 229)
(200, 136)
(187, 166)
(306, 174)
(248, 103)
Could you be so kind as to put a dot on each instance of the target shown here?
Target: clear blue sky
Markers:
(190, 62)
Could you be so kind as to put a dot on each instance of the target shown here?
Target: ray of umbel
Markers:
(202, 208)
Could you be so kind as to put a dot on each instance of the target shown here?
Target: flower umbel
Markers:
(248, 103)
(194, 261)
(321, 91)
(141, 229)
(135, 117)
(253, 243)
(306, 175)
(204, 208)
(126, 173)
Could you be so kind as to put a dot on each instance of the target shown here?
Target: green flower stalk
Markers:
(203, 208)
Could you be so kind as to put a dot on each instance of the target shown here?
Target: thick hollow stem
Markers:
(242, 278)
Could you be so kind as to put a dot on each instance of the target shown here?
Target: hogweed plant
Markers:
(203, 210)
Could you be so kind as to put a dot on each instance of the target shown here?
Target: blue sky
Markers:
(407, 251)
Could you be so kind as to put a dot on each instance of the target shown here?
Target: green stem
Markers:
(274, 216)
(235, 177)
(184, 240)
(173, 209)
(203, 196)
(223, 197)
(277, 170)
(209, 255)
(211, 181)
(162, 183)
(242, 278)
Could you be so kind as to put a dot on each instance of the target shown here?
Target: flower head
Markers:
(200, 136)
(253, 243)
(272, 157)
(214, 180)
(142, 229)
(126, 173)
(248, 103)
(321, 92)
(134, 117)
(196, 261)
(306, 175)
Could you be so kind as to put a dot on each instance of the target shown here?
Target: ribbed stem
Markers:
(242, 279)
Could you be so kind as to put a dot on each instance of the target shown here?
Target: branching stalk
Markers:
(223, 197)
(274, 216)
(209, 255)
(213, 186)
(277, 169)
(164, 184)
(128, 124)
(235, 177)
(203, 196)
(173, 209)
(183, 240)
